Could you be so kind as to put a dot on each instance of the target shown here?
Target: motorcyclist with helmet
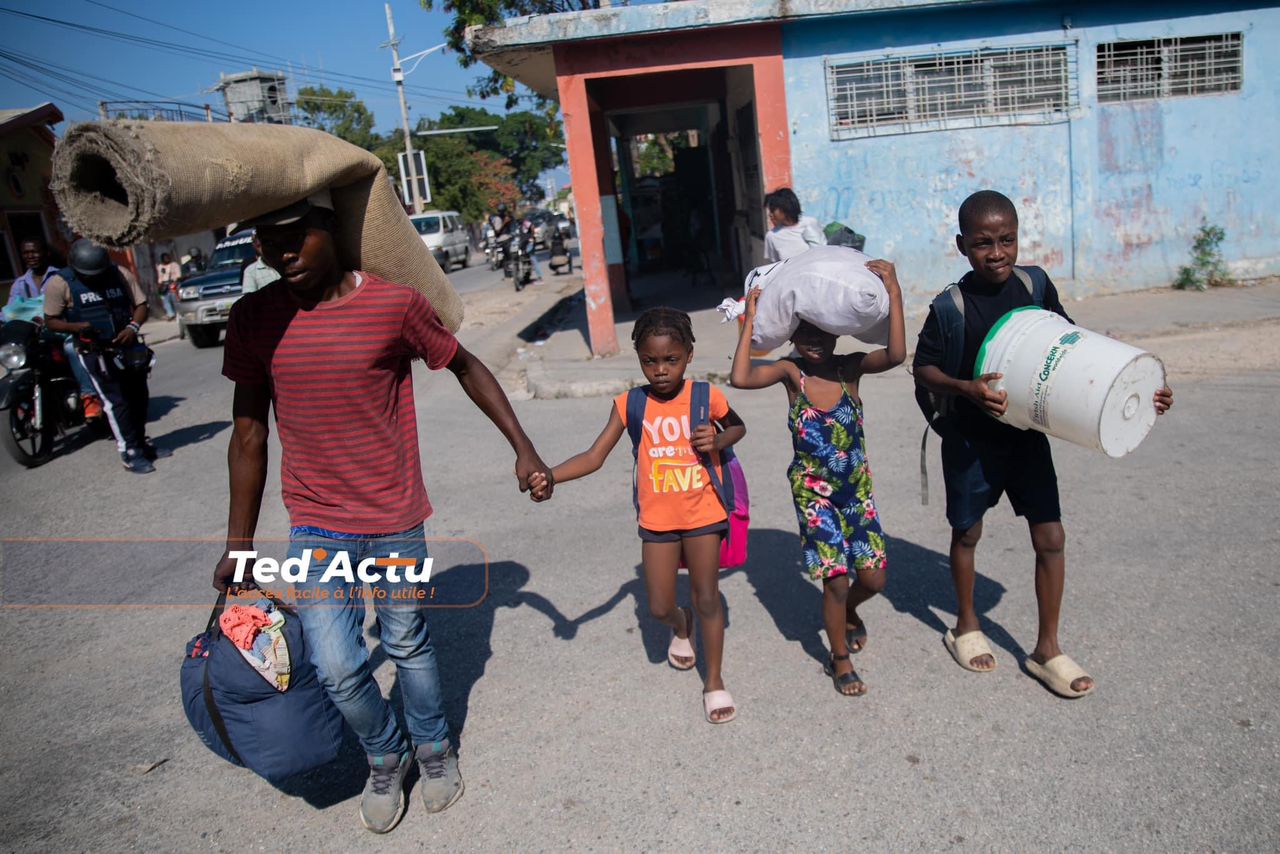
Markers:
(503, 226)
(104, 307)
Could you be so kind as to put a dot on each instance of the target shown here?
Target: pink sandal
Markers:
(717, 701)
(683, 647)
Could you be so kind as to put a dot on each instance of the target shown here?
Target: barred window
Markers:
(957, 89)
(1170, 68)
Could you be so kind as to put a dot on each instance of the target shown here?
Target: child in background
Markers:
(680, 513)
(790, 232)
(830, 478)
(983, 458)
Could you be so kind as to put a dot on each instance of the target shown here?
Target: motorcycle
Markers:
(518, 265)
(492, 251)
(560, 257)
(39, 396)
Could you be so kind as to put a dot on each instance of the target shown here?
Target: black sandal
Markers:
(840, 682)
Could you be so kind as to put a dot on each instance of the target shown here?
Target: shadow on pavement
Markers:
(161, 405)
(919, 584)
(193, 435)
(654, 636)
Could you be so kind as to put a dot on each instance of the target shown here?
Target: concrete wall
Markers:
(1109, 199)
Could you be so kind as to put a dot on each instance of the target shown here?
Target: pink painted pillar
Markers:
(586, 171)
(771, 120)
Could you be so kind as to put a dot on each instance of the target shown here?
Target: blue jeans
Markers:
(78, 370)
(335, 636)
(170, 305)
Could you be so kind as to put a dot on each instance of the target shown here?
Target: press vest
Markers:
(111, 307)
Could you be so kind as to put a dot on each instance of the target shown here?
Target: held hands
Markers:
(534, 476)
(1164, 399)
(887, 273)
(996, 403)
(540, 485)
(704, 439)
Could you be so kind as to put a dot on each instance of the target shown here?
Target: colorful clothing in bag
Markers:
(831, 484)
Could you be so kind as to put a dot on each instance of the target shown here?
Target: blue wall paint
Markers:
(1110, 199)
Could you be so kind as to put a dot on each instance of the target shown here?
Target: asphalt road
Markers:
(573, 732)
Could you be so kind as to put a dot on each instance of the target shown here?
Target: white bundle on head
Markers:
(830, 287)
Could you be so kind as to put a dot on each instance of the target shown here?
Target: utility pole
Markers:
(397, 74)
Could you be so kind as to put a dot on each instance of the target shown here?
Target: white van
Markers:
(444, 230)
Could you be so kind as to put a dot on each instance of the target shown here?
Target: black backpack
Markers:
(948, 308)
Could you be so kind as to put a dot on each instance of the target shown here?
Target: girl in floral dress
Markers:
(830, 479)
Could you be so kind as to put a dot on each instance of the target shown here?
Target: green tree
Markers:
(470, 13)
(339, 112)
(528, 140)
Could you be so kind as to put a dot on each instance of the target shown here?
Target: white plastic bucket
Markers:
(1071, 383)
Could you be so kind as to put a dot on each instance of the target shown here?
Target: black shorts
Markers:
(647, 536)
(978, 472)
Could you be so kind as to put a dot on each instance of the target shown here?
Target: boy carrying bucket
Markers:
(983, 458)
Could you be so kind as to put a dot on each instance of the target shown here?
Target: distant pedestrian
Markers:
(983, 458)
(168, 274)
(256, 275)
(790, 232)
(842, 540)
(680, 514)
(330, 350)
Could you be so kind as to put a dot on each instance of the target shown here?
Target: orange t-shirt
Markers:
(674, 488)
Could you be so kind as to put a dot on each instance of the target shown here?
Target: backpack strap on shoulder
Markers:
(637, 399)
(699, 414)
(1034, 280)
(948, 309)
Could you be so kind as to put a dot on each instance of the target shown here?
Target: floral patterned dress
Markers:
(831, 484)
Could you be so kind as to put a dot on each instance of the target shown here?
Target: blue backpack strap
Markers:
(948, 308)
(699, 414)
(1035, 280)
(637, 399)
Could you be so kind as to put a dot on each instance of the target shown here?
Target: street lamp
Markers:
(398, 75)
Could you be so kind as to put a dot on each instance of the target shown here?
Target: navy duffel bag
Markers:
(245, 719)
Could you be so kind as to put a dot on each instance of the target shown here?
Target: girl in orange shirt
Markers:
(679, 511)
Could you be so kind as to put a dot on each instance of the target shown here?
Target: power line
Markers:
(276, 59)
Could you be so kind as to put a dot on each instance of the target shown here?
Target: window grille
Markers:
(1170, 68)
(957, 89)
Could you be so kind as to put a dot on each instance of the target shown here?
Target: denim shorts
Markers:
(978, 472)
(647, 536)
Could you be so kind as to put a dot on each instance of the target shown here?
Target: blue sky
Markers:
(316, 36)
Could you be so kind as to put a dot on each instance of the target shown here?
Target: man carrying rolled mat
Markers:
(330, 349)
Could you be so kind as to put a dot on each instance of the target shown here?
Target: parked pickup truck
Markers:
(204, 301)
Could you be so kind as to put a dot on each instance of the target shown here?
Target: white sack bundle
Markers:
(829, 286)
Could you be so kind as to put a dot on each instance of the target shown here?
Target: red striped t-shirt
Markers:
(343, 396)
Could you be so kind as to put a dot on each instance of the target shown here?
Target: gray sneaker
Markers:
(383, 801)
(441, 782)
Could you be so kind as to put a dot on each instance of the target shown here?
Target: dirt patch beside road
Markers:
(1217, 351)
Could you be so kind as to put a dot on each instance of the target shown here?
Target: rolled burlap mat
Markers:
(125, 182)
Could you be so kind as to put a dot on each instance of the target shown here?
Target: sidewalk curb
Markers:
(543, 387)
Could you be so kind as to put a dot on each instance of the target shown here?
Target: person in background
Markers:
(193, 263)
(256, 274)
(30, 285)
(35, 255)
(102, 305)
(790, 233)
(168, 272)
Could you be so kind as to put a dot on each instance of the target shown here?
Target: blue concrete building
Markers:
(1116, 128)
